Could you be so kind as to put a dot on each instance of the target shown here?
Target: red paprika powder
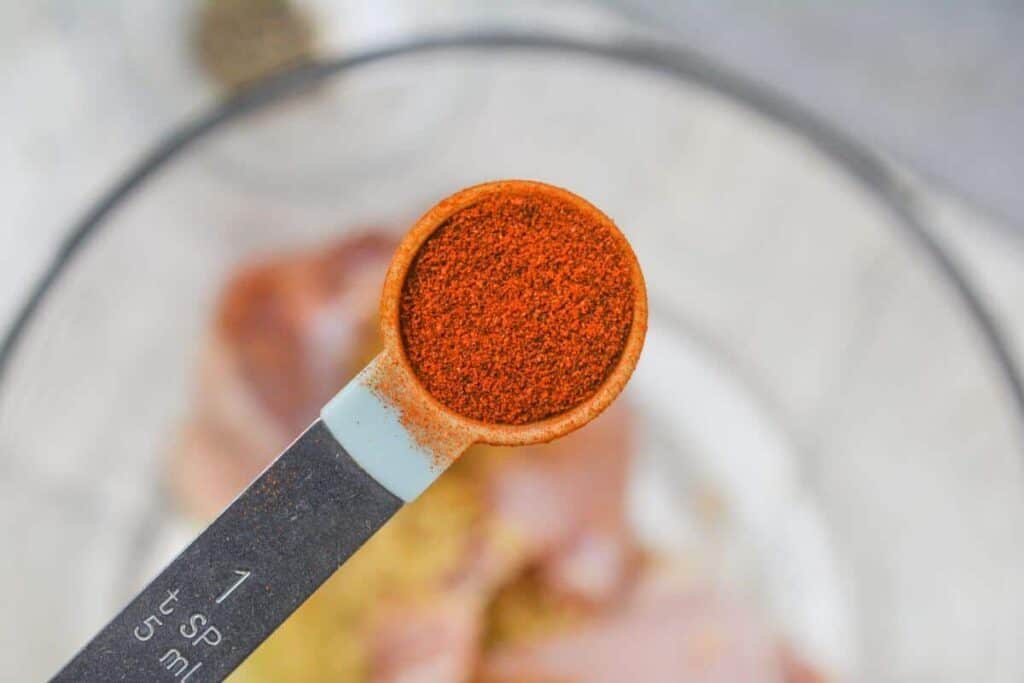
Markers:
(516, 308)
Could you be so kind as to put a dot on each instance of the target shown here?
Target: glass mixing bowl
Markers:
(816, 365)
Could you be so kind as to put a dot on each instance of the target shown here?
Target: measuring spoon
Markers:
(377, 445)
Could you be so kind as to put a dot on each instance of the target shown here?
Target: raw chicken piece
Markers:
(664, 631)
(798, 671)
(568, 500)
(287, 334)
(291, 331)
(432, 641)
(556, 510)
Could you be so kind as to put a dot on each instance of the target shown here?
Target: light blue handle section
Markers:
(370, 431)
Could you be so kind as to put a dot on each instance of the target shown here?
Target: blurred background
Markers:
(816, 473)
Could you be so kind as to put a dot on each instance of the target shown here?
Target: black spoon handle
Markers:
(250, 569)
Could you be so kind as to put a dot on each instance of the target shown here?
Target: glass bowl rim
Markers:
(849, 154)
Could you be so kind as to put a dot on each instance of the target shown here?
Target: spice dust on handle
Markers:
(381, 412)
(550, 325)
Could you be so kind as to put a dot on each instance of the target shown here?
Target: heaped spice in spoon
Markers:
(517, 308)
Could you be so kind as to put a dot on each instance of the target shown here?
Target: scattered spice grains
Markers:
(429, 428)
(517, 308)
